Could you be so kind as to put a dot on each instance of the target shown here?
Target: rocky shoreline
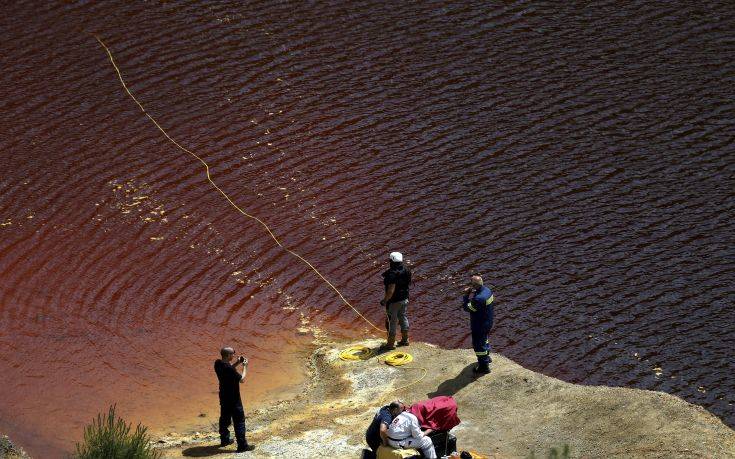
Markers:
(511, 413)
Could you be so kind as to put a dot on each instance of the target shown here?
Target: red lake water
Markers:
(580, 156)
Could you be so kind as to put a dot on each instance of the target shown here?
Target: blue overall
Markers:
(480, 306)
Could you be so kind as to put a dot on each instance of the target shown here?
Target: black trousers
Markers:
(231, 412)
(373, 443)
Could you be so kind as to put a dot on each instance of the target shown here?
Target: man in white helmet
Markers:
(397, 280)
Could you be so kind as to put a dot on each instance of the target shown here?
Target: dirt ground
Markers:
(510, 413)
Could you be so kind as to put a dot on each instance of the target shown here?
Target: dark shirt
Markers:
(401, 277)
(229, 383)
(383, 416)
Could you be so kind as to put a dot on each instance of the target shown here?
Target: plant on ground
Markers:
(110, 437)
(9, 450)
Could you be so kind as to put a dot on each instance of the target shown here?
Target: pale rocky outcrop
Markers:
(508, 414)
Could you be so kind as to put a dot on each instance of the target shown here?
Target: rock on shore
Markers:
(509, 413)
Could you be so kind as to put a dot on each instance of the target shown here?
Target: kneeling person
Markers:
(405, 432)
(377, 433)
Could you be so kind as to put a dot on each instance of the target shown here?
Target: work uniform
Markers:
(397, 306)
(372, 435)
(479, 304)
(405, 432)
(230, 404)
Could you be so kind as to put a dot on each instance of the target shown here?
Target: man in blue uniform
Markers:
(478, 301)
(377, 433)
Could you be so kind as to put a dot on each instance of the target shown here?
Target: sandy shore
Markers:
(508, 414)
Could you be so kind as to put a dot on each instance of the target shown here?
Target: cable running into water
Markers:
(209, 178)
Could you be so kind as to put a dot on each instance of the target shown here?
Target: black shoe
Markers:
(242, 449)
(481, 370)
(402, 343)
(224, 443)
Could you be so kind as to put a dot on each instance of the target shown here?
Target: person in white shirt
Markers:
(405, 432)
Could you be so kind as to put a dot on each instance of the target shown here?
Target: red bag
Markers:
(438, 413)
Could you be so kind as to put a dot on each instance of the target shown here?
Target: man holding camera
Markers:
(230, 404)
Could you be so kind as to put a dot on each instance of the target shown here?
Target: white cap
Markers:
(396, 257)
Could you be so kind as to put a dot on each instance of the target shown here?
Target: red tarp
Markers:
(438, 413)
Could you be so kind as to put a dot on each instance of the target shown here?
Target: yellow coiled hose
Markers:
(356, 353)
(394, 359)
(352, 353)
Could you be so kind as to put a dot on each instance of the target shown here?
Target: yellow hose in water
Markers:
(225, 195)
(352, 353)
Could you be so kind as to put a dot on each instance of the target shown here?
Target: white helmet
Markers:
(396, 257)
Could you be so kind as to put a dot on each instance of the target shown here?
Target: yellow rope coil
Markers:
(396, 359)
(226, 196)
(358, 352)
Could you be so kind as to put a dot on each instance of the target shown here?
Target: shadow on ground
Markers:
(454, 385)
(204, 451)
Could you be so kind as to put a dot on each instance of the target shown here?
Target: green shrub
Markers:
(9, 450)
(109, 437)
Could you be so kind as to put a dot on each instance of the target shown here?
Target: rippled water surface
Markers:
(580, 156)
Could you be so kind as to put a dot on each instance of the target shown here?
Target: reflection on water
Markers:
(580, 156)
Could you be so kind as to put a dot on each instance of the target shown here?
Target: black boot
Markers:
(404, 338)
(481, 369)
(390, 344)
